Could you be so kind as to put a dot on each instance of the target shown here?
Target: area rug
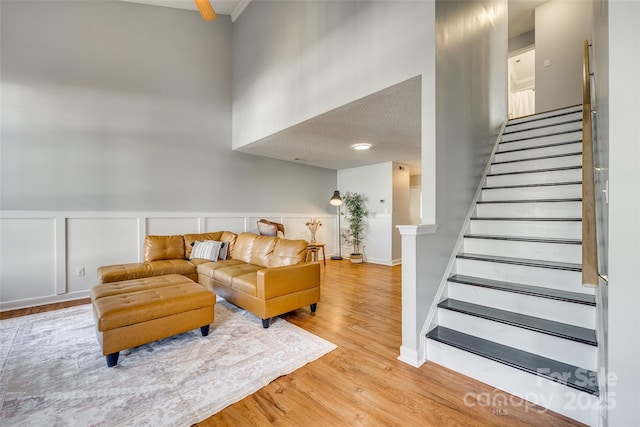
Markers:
(53, 372)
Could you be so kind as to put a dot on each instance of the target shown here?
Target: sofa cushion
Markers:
(163, 247)
(230, 238)
(135, 285)
(246, 283)
(243, 247)
(207, 268)
(288, 252)
(254, 249)
(190, 239)
(116, 273)
(225, 275)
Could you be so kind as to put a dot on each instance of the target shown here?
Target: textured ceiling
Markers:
(389, 120)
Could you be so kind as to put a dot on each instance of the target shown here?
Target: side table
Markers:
(312, 251)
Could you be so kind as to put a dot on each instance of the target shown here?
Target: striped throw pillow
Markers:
(209, 249)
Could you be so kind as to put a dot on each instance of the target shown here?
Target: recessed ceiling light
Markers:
(361, 146)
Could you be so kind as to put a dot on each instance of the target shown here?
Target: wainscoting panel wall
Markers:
(92, 242)
(27, 258)
(49, 257)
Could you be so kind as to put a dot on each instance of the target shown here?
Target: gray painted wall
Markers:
(617, 67)
(522, 41)
(471, 105)
(114, 106)
(294, 60)
(561, 27)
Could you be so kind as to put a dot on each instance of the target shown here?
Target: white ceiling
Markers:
(389, 119)
(222, 7)
(522, 70)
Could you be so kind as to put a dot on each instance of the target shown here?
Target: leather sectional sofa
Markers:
(265, 275)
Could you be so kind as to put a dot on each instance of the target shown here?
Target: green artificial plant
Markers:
(355, 215)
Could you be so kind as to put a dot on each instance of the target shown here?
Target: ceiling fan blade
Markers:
(206, 10)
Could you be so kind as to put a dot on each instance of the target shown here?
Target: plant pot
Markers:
(356, 258)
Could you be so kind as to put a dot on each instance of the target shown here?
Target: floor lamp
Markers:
(336, 201)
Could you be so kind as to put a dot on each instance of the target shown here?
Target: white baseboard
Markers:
(411, 357)
(33, 302)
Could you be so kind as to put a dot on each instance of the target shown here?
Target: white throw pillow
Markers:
(209, 249)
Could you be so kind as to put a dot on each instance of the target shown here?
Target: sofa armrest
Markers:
(277, 281)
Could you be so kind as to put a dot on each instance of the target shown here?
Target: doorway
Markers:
(522, 82)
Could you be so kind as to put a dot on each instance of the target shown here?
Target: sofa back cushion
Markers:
(230, 238)
(254, 249)
(189, 239)
(163, 247)
(288, 252)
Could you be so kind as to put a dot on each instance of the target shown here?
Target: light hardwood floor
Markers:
(361, 382)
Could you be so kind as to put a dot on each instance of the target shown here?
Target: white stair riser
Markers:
(560, 349)
(539, 152)
(511, 127)
(529, 250)
(567, 175)
(566, 127)
(530, 193)
(530, 210)
(551, 229)
(526, 165)
(546, 277)
(539, 391)
(559, 311)
(556, 114)
(543, 140)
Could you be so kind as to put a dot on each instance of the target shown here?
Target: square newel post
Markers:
(412, 349)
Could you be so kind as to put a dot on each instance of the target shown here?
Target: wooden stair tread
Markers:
(536, 324)
(551, 156)
(535, 147)
(524, 239)
(536, 171)
(537, 291)
(566, 122)
(546, 135)
(543, 184)
(484, 202)
(573, 376)
(480, 218)
(523, 261)
(535, 118)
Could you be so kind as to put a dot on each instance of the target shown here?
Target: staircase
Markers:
(516, 314)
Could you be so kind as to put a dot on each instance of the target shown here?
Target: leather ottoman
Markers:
(135, 312)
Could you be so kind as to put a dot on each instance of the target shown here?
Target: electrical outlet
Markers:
(80, 271)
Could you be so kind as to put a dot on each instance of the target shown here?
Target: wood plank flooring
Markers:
(362, 383)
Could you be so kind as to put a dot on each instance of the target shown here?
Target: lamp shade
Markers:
(336, 200)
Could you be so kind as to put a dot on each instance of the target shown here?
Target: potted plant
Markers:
(355, 214)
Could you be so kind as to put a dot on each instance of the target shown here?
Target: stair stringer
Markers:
(431, 319)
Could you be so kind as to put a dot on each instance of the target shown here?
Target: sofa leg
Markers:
(313, 307)
(266, 323)
(112, 359)
(205, 330)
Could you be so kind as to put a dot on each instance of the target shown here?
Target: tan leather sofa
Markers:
(165, 255)
(265, 275)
